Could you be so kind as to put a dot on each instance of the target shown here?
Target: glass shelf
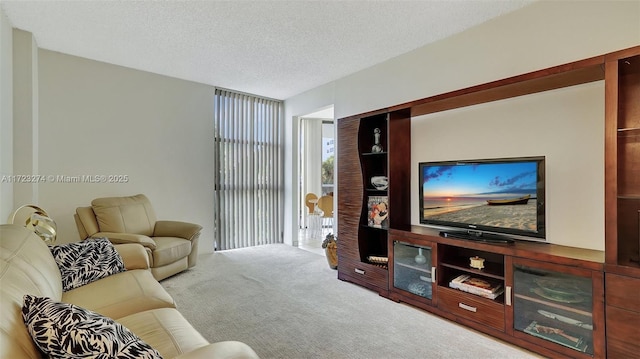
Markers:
(410, 263)
(630, 132)
(377, 191)
(630, 196)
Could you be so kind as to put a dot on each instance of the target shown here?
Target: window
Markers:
(328, 156)
(248, 170)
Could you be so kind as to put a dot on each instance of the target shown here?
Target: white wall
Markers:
(538, 36)
(6, 116)
(25, 116)
(541, 35)
(565, 126)
(101, 119)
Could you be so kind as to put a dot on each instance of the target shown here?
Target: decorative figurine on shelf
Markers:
(420, 258)
(476, 262)
(377, 147)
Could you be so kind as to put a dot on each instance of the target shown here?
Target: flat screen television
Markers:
(487, 200)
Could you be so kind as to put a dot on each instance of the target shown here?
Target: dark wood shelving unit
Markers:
(613, 275)
(359, 240)
(622, 156)
(622, 201)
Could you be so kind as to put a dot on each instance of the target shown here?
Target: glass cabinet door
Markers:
(554, 306)
(412, 269)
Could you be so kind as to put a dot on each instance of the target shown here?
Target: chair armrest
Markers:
(221, 350)
(176, 229)
(120, 238)
(133, 255)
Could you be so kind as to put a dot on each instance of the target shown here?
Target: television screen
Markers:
(503, 196)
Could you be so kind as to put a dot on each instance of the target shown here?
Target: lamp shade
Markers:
(35, 219)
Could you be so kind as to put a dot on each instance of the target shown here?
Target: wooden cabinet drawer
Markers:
(623, 336)
(472, 307)
(622, 292)
(364, 272)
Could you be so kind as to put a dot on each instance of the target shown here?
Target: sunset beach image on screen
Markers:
(494, 195)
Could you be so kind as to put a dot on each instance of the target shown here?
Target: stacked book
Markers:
(477, 286)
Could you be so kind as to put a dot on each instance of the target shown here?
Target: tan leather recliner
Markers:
(172, 246)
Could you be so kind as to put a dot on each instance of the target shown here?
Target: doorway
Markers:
(316, 174)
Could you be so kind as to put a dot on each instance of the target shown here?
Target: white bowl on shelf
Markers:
(380, 182)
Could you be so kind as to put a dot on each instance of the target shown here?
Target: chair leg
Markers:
(327, 222)
(314, 226)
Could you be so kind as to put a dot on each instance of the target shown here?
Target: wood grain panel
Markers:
(622, 292)
(400, 169)
(623, 336)
(350, 188)
(611, 161)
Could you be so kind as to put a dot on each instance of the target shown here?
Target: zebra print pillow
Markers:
(83, 262)
(63, 330)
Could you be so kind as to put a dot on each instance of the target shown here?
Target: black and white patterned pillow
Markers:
(83, 262)
(63, 330)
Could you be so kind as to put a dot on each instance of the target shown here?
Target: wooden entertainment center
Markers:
(555, 300)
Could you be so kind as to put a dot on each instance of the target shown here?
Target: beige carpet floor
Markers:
(287, 303)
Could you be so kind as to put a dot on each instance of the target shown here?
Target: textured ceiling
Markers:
(271, 48)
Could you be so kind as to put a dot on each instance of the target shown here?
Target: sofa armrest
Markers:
(120, 238)
(177, 229)
(133, 255)
(221, 350)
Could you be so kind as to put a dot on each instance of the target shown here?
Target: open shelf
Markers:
(622, 160)
(454, 262)
(458, 259)
(491, 270)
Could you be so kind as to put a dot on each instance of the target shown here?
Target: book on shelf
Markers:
(557, 336)
(378, 211)
(477, 286)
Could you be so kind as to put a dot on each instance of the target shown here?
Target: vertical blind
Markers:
(248, 170)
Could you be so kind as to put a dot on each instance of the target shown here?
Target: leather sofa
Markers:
(172, 246)
(133, 298)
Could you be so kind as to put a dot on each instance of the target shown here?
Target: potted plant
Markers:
(330, 245)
